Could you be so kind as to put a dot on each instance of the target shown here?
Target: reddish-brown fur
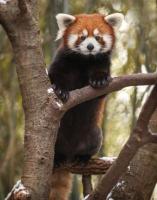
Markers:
(61, 184)
(89, 22)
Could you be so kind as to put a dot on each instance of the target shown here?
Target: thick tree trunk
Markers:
(140, 179)
(21, 25)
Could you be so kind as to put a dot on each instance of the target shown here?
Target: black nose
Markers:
(90, 46)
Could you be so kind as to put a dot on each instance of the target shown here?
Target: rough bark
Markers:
(20, 21)
(139, 180)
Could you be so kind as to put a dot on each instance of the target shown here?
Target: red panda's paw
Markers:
(99, 81)
(63, 95)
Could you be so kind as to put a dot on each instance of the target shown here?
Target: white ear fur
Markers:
(63, 21)
(115, 19)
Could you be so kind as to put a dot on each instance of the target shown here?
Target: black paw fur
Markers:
(99, 82)
(61, 94)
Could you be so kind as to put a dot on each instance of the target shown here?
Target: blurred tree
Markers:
(11, 124)
(50, 27)
(91, 5)
(75, 190)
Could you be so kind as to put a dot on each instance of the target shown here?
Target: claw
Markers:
(94, 83)
(99, 82)
(61, 94)
(65, 96)
(103, 82)
(54, 86)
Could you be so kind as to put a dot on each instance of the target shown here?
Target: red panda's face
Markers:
(86, 43)
(88, 34)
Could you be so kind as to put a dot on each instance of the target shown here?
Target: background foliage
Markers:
(136, 51)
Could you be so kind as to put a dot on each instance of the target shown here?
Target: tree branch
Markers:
(95, 166)
(80, 95)
(87, 185)
(138, 138)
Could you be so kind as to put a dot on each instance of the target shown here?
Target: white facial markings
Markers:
(108, 42)
(86, 42)
(72, 40)
(96, 32)
(97, 45)
(106, 38)
(85, 32)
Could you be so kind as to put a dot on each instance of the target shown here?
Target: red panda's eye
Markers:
(97, 37)
(83, 37)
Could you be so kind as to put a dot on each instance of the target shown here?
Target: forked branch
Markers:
(138, 138)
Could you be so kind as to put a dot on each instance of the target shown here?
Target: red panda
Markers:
(82, 59)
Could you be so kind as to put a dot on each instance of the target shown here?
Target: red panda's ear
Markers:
(115, 19)
(63, 21)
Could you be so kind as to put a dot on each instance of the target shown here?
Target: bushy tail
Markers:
(61, 185)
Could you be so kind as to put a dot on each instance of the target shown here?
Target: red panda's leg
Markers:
(89, 147)
(61, 185)
(58, 80)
